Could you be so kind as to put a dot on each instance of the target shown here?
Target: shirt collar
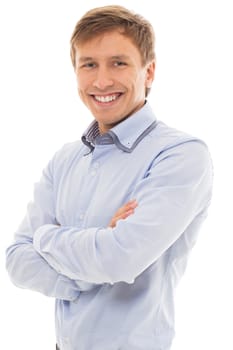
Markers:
(125, 135)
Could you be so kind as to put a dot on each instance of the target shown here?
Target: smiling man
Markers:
(115, 215)
(111, 76)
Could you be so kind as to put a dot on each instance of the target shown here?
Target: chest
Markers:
(90, 190)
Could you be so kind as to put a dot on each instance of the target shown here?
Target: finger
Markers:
(122, 216)
(126, 214)
(132, 204)
(123, 212)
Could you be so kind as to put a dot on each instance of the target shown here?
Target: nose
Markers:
(103, 78)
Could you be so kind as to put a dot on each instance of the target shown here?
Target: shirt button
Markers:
(96, 165)
(93, 172)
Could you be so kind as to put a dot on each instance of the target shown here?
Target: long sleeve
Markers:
(172, 197)
(27, 268)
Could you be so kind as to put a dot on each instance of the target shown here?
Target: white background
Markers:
(40, 111)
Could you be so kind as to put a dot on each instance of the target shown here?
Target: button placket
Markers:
(94, 168)
(95, 165)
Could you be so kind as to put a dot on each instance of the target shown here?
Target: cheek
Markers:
(139, 84)
(80, 90)
(138, 79)
(81, 81)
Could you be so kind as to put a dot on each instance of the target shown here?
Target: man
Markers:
(115, 215)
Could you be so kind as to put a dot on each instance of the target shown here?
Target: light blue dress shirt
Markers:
(114, 287)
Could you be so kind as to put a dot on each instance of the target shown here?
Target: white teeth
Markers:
(106, 98)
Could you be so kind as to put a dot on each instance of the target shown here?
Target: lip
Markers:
(106, 100)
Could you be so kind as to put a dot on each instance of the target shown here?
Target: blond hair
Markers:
(108, 18)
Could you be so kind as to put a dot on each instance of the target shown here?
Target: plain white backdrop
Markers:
(40, 111)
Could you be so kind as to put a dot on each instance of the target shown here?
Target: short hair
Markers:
(108, 18)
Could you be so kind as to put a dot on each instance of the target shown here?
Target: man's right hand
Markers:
(123, 212)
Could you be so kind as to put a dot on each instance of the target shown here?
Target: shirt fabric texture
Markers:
(114, 287)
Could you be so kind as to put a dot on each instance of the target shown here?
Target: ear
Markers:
(150, 73)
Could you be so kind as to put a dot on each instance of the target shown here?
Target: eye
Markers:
(119, 63)
(89, 65)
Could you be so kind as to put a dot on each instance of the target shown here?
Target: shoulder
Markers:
(164, 138)
(181, 150)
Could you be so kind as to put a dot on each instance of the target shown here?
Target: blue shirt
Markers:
(114, 287)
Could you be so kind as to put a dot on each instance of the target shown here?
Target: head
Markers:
(117, 25)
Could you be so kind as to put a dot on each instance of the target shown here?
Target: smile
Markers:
(106, 98)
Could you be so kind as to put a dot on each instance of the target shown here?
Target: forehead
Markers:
(108, 44)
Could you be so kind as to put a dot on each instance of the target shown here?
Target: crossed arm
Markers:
(61, 261)
(28, 269)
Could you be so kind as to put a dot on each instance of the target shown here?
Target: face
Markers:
(111, 78)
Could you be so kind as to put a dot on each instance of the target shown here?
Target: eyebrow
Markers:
(85, 59)
(115, 57)
(120, 57)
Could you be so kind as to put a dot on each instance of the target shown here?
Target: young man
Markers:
(115, 216)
